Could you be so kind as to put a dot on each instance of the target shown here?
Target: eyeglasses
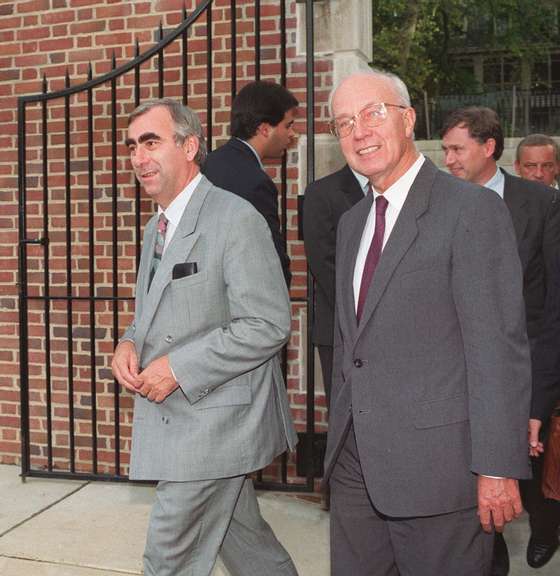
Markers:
(371, 116)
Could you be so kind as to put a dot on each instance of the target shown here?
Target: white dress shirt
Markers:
(395, 196)
(496, 183)
(363, 181)
(174, 212)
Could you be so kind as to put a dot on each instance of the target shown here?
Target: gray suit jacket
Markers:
(436, 378)
(222, 328)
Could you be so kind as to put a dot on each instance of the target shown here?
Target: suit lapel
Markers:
(402, 236)
(515, 200)
(181, 244)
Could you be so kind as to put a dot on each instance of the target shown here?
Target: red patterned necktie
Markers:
(158, 248)
(373, 254)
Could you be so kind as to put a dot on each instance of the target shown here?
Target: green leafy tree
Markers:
(418, 39)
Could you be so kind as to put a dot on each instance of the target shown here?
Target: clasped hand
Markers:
(155, 382)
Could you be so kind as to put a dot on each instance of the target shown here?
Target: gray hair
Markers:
(185, 119)
(538, 140)
(398, 85)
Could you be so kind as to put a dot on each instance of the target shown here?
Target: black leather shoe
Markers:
(500, 556)
(539, 553)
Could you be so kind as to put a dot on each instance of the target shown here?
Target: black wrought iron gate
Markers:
(81, 216)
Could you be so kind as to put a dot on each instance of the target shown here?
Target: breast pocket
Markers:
(186, 292)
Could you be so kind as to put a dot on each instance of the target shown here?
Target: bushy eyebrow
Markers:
(143, 138)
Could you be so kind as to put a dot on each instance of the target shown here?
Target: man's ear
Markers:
(489, 147)
(190, 147)
(409, 121)
(264, 129)
(517, 167)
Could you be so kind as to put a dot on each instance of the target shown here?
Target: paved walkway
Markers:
(74, 528)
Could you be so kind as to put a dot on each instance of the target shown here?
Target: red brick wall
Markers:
(50, 38)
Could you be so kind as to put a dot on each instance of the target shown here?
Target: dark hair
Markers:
(538, 140)
(259, 102)
(185, 119)
(482, 124)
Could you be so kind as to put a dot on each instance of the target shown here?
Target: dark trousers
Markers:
(544, 514)
(326, 357)
(365, 542)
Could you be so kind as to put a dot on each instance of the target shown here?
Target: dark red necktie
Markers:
(374, 252)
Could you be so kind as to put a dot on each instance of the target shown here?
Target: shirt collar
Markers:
(174, 212)
(253, 151)
(496, 183)
(398, 191)
(363, 181)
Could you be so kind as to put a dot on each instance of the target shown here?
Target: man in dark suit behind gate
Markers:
(431, 373)
(324, 203)
(262, 126)
(212, 311)
(473, 142)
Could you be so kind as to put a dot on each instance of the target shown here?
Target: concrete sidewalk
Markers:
(74, 528)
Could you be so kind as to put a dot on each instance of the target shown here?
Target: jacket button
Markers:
(358, 363)
(169, 338)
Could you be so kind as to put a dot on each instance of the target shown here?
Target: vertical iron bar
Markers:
(185, 61)
(22, 292)
(310, 68)
(233, 8)
(91, 239)
(209, 135)
(69, 303)
(257, 39)
(115, 239)
(284, 196)
(160, 64)
(46, 274)
(137, 194)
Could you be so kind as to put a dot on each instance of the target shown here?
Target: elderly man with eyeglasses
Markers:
(431, 372)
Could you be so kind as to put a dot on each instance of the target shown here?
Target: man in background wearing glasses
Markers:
(431, 374)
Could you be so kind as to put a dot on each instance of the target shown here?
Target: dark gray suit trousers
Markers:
(368, 543)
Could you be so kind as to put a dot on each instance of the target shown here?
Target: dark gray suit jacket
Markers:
(325, 202)
(436, 377)
(535, 212)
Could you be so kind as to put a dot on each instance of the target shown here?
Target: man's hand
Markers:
(498, 502)
(157, 380)
(535, 447)
(125, 365)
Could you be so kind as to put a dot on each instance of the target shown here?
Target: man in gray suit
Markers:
(431, 378)
(212, 312)
(473, 142)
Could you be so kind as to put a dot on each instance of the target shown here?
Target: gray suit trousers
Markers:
(192, 522)
(365, 542)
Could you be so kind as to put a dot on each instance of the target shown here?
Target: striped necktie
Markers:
(158, 248)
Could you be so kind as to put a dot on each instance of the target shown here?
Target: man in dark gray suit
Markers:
(325, 202)
(262, 126)
(431, 377)
(473, 142)
(212, 312)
